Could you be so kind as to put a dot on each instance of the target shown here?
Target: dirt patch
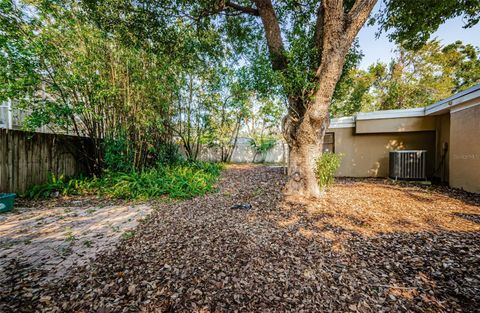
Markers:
(367, 246)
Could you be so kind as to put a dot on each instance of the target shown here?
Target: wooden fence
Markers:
(27, 159)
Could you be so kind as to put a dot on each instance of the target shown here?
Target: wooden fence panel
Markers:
(27, 159)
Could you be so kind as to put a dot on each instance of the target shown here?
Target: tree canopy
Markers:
(411, 23)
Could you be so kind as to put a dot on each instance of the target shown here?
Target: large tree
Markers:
(327, 30)
(295, 49)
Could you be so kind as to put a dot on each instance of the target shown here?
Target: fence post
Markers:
(9, 115)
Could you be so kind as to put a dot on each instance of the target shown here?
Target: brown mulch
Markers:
(367, 246)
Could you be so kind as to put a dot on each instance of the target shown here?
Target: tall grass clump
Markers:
(326, 166)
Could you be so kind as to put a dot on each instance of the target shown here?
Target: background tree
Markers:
(190, 114)
(227, 112)
(412, 79)
(210, 111)
(81, 81)
(262, 125)
(411, 23)
(110, 85)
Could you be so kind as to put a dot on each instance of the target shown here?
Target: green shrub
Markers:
(262, 145)
(168, 153)
(326, 166)
(118, 154)
(184, 180)
(175, 181)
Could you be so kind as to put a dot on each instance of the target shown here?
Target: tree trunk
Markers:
(301, 171)
(304, 132)
(305, 146)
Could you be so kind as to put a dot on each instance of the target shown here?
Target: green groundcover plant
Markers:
(180, 181)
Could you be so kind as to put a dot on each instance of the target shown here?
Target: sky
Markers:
(382, 50)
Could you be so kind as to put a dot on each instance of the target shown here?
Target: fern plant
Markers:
(184, 180)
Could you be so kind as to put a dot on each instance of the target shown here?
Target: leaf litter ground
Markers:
(368, 246)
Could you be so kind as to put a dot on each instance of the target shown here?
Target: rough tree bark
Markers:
(307, 120)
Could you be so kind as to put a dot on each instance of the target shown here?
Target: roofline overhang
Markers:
(437, 108)
(385, 114)
(444, 105)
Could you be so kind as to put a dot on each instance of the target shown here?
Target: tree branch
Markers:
(241, 8)
(357, 16)
(273, 34)
(318, 36)
(330, 23)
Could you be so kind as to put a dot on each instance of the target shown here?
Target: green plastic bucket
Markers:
(6, 202)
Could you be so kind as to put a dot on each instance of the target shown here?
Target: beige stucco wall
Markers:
(442, 148)
(465, 149)
(393, 125)
(366, 155)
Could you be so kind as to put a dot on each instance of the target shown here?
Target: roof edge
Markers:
(453, 100)
(385, 114)
(342, 122)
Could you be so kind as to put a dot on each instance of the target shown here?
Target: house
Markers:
(449, 130)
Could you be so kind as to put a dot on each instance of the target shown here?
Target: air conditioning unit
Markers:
(408, 164)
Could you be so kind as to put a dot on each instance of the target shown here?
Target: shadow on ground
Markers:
(367, 246)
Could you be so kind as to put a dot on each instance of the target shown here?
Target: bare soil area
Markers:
(367, 246)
